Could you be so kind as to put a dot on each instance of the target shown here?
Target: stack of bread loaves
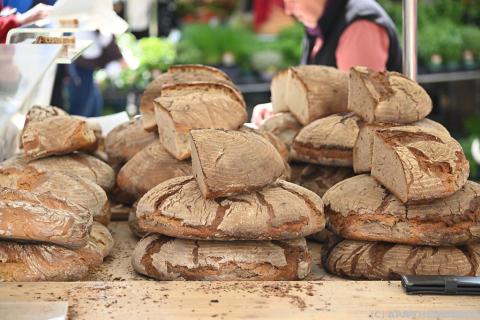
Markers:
(416, 213)
(231, 220)
(48, 198)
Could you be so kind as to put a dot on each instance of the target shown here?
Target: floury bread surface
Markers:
(319, 178)
(43, 112)
(56, 135)
(39, 262)
(365, 260)
(284, 126)
(81, 191)
(78, 164)
(363, 148)
(231, 162)
(150, 167)
(11, 170)
(315, 92)
(386, 96)
(128, 139)
(360, 208)
(102, 238)
(177, 115)
(42, 217)
(165, 258)
(328, 141)
(418, 164)
(280, 211)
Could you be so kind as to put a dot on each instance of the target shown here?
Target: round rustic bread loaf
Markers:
(386, 96)
(42, 217)
(79, 164)
(127, 139)
(319, 179)
(328, 141)
(360, 208)
(91, 254)
(43, 112)
(102, 238)
(365, 260)
(39, 262)
(226, 163)
(150, 167)
(11, 170)
(284, 126)
(418, 164)
(81, 191)
(280, 211)
(133, 222)
(165, 258)
(56, 135)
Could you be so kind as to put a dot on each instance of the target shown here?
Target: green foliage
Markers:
(471, 40)
(155, 53)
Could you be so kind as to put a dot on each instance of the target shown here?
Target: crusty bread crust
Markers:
(319, 178)
(11, 170)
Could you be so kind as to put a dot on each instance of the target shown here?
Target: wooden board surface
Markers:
(115, 291)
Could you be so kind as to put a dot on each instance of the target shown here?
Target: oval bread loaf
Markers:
(165, 258)
(280, 211)
(43, 112)
(102, 238)
(360, 208)
(418, 164)
(91, 254)
(386, 96)
(328, 141)
(365, 260)
(284, 126)
(226, 163)
(39, 262)
(319, 179)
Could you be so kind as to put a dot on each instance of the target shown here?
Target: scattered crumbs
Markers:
(215, 301)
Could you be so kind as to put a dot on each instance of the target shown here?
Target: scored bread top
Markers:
(360, 208)
(203, 110)
(217, 167)
(43, 112)
(127, 139)
(429, 163)
(280, 211)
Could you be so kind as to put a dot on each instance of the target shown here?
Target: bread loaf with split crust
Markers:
(360, 208)
(283, 126)
(80, 191)
(102, 238)
(39, 262)
(177, 115)
(79, 164)
(365, 260)
(280, 211)
(56, 135)
(328, 141)
(11, 170)
(42, 217)
(418, 164)
(165, 258)
(314, 92)
(216, 165)
(43, 112)
(150, 167)
(133, 222)
(363, 148)
(91, 254)
(319, 178)
(386, 96)
(127, 139)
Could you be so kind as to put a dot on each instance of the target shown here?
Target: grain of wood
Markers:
(280, 211)
(386, 96)
(360, 208)
(56, 135)
(79, 164)
(177, 115)
(11, 170)
(364, 260)
(39, 262)
(42, 217)
(166, 258)
(150, 167)
(418, 164)
(314, 92)
(81, 191)
(227, 163)
(319, 178)
(363, 148)
(328, 141)
(127, 139)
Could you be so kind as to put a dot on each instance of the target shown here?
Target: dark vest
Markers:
(338, 17)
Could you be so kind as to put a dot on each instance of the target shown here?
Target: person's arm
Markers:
(363, 43)
(6, 24)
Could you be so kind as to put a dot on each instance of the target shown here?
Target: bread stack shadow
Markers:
(53, 204)
(415, 213)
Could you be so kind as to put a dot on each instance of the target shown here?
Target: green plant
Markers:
(471, 40)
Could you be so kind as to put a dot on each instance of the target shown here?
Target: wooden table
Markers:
(114, 291)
